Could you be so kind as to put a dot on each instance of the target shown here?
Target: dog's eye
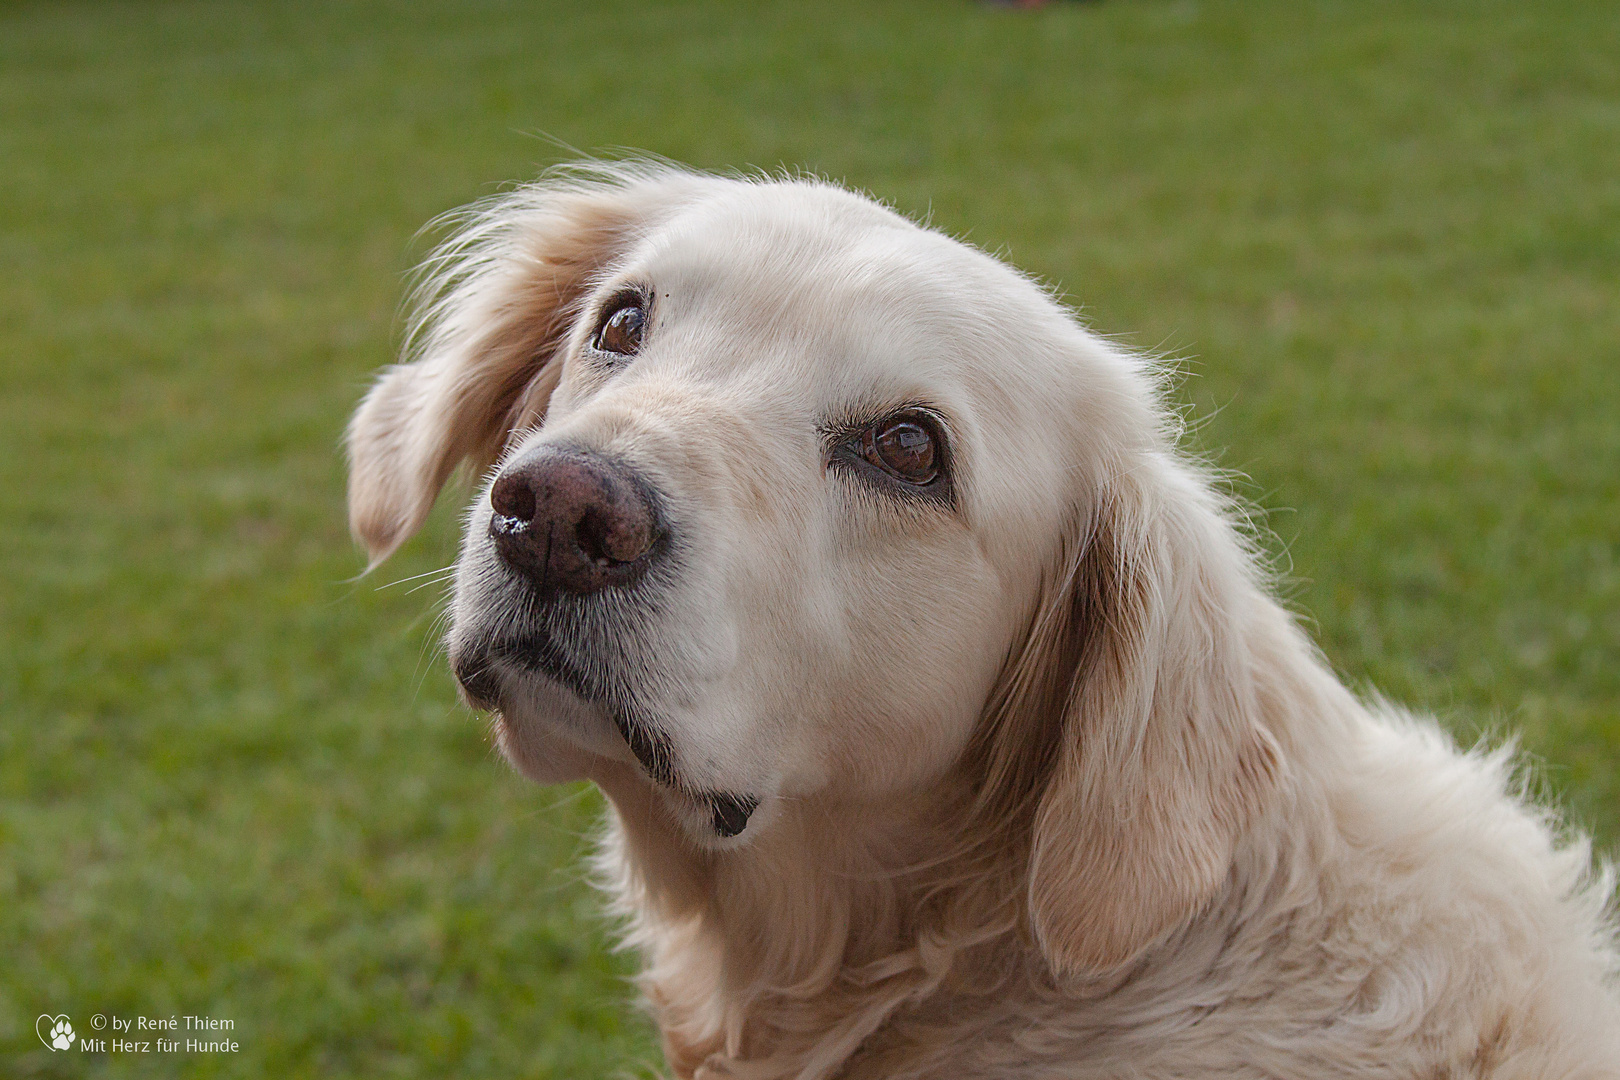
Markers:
(621, 330)
(903, 446)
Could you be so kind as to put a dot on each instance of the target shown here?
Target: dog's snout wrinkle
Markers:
(573, 522)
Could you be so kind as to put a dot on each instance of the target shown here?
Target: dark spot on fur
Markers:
(731, 812)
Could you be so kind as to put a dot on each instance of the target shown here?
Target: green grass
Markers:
(1384, 235)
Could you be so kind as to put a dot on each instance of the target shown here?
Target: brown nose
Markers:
(572, 522)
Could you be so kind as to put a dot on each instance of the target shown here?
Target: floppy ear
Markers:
(492, 316)
(1156, 759)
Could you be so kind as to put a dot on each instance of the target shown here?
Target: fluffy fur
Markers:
(1049, 784)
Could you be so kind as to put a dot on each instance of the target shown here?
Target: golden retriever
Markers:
(949, 726)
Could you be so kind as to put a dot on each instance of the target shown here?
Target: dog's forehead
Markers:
(785, 219)
(779, 250)
(826, 274)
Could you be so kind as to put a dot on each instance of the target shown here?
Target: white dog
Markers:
(949, 727)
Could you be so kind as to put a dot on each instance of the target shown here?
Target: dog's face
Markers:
(834, 429)
(786, 495)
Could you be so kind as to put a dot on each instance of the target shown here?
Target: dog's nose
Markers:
(572, 522)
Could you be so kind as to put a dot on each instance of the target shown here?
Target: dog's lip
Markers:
(533, 652)
(479, 682)
(484, 675)
(536, 656)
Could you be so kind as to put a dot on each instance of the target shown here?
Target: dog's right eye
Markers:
(903, 447)
(906, 452)
(622, 327)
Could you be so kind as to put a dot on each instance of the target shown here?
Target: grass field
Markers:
(1384, 235)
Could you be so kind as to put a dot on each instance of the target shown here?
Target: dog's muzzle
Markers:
(574, 526)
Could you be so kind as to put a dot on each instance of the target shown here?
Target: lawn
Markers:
(1383, 237)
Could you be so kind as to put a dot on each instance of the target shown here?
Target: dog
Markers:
(948, 722)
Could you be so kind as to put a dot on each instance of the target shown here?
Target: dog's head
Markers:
(786, 497)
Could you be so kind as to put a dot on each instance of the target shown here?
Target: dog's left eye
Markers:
(622, 327)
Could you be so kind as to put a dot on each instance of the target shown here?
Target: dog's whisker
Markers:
(440, 574)
(443, 579)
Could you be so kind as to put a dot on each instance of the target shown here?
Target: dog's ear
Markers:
(492, 317)
(1152, 758)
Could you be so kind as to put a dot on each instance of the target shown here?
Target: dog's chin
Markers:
(539, 755)
(552, 736)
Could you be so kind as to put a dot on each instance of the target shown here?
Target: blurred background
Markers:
(1383, 236)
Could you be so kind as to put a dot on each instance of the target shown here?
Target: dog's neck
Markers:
(799, 944)
(789, 952)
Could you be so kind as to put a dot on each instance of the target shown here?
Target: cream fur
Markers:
(1050, 785)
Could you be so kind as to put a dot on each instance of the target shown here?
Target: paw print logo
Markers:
(55, 1032)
